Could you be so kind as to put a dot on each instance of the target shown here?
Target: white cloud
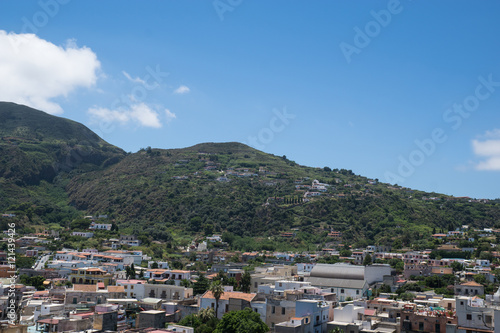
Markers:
(142, 113)
(489, 150)
(131, 79)
(182, 90)
(170, 115)
(34, 71)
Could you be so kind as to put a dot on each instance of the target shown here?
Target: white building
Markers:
(133, 288)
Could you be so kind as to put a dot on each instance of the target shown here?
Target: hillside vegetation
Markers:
(53, 170)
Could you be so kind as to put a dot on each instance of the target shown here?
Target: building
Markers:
(167, 292)
(130, 240)
(229, 301)
(347, 281)
(474, 316)
(427, 320)
(133, 288)
(89, 275)
(82, 294)
(151, 318)
(470, 288)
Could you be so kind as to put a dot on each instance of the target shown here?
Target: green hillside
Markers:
(40, 152)
(53, 170)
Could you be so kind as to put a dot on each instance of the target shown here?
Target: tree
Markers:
(337, 330)
(191, 320)
(246, 280)
(200, 286)
(206, 314)
(368, 260)
(457, 267)
(480, 278)
(186, 283)
(217, 291)
(243, 321)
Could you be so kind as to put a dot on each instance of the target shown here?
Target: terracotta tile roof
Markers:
(95, 269)
(370, 312)
(85, 287)
(116, 289)
(472, 284)
(232, 294)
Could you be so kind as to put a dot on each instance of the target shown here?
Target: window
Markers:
(357, 292)
(283, 311)
(255, 309)
(131, 287)
(317, 319)
(273, 309)
(227, 307)
(255, 285)
(75, 300)
(341, 291)
(420, 326)
(469, 316)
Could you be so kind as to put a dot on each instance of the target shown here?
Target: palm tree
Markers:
(206, 314)
(217, 290)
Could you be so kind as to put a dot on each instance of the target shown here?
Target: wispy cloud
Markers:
(170, 115)
(39, 71)
(182, 90)
(141, 113)
(488, 149)
(132, 79)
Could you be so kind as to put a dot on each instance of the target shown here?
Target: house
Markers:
(133, 288)
(100, 226)
(229, 301)
(167, 292)
(470, 288)
(89, 275)
(427, 320)
(160, 264)
(474, 316)
(319, 313)
(347, 318)
(83, 234)
(215, 239)
(91, 294)
(130, 240)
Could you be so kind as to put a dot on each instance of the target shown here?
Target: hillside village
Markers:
(452, 287)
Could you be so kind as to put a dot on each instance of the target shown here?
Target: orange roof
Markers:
(94, 269)
(116, 289)
(85, 287)
(472, 284)
(232, 294)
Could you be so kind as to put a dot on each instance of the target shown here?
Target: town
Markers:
(452, 287)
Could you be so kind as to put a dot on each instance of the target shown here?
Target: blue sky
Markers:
(404, 91)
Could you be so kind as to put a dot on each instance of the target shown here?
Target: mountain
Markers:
(36, 148)
(53, 170)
